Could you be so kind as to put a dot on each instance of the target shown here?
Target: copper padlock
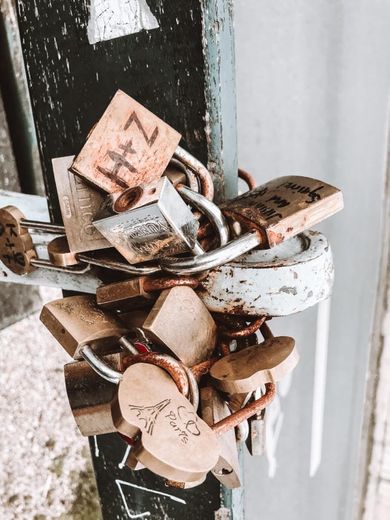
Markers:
(179, 322)
(246, 370)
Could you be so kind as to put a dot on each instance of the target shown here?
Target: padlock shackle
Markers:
(46, 264)
(43, 226)
(245, 413)
(247, 178)
(214, 258)
(99, 366)
(204, 176)
(210, 210)
(118, 266)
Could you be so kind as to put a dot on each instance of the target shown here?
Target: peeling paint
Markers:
(111, 19)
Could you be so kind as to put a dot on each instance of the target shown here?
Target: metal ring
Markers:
(247, 178)
(204, 176)
(215, 258)
(99, 366)
(249, 410)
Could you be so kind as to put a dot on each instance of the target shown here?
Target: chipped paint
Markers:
(273, 282)
(111, 19)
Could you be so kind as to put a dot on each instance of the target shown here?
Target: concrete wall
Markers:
(313, 82)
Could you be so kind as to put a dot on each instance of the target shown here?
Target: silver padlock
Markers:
(288, 278)
(273, 212)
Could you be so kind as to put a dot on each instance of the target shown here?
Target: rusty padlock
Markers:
(273, 212)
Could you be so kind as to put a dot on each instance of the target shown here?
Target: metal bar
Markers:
(182, 69)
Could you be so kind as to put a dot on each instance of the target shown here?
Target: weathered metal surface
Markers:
(289, 278)
(127, 147)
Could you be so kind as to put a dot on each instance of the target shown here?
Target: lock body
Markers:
(284, 207)
(129, 146)
(124, 295)
(76, 321)
(288, 278)
(79, 203)
(180, 322)
(158, 223)
(90, 395)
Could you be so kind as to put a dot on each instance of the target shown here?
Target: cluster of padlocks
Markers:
(166, 352)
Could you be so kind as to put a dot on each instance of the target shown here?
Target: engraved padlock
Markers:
(130, 146)
(17, 250)
(79, 203)
(273, 213)
(154, 222)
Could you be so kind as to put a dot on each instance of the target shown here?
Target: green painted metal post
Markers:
(181, 68)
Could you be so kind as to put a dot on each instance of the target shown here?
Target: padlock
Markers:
(76, 321)
(130, 146)
(138, 292)
(273, 212)
(154, 221)
(180, 322)
(79, 203)
(177, 322)
(246, 370)
(227, 469)
(127, 147)
(90, 395)
(16, 245)
(256, 440)
(288, 278)
(172, 441)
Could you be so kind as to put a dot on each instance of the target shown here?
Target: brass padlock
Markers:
(273, 212)
(138, 292)
(90, 395)
(153, 222)
(79, 203)
(172, 441)
(246, 370)
(77, 321)
(179, 322)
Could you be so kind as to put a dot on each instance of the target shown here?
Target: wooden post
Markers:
(182, 69)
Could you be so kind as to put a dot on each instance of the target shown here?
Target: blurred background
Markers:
(312, 91)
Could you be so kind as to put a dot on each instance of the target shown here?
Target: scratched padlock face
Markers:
(128, 146)
(79, 203)
(174, 442)
(284, 207)
(16, 246)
